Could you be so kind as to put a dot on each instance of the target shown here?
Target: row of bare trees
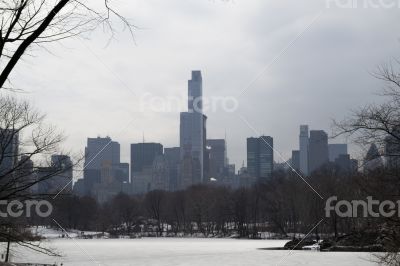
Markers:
(284, 205)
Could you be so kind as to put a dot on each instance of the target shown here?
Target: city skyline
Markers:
(189, 131)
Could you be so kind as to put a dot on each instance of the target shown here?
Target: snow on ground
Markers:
(186, 252)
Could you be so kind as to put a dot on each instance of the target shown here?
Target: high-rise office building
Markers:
(318, 150)
(173, 158)
(392, 152)
(143, 155)
(98, 152)
(9, 141)
(303, 148)
(160, 174)
(193, 134)
(57, 177)
(26, 170)
(335, 150)
(373, 159)
(344, 164)
(253, 157)
(217, 158)
(260, 157)
(121, 172)
(63, 164)
(296, 160)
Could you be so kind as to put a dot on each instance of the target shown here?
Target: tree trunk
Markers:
(8, 250)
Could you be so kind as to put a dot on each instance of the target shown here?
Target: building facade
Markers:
(143, 156)
(318, 150)
(173, 158)
(217, 158)
(303, 149)
(295, 163)
(260, 157)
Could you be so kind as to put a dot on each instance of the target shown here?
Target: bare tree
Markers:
(28, 23)
(380, 123)
(24, 138)
(374, 123)
(154, 202)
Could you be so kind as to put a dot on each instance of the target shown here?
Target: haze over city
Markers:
(326, 67)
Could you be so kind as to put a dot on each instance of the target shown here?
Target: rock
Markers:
(298, 244)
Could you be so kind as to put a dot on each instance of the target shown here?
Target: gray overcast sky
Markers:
(90, 89)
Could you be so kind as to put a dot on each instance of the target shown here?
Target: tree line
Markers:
(283, 205)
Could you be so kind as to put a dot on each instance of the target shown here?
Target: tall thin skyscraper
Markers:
(303, 145)
(192, 134)
(195, 93)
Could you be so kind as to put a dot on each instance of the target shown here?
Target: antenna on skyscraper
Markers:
(143, 136)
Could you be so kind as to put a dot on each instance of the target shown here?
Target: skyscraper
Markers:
(173, 157)
(335, 150)
(296, 160)
(303, 145)
(218, 159)
(344, 164)
(193, 133)
(392, 152)
(253, 157)
(62, 164)
(160, 174)
(9, 143)
(318, 150)
(57, 177)
(143, 155)
(260, 157)
(373, 159)
(195, 93)
(97, 152)
(122, 172)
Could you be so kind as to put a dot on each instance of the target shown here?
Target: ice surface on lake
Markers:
(186, 252)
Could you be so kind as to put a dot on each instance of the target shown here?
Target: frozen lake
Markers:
(187, 252)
